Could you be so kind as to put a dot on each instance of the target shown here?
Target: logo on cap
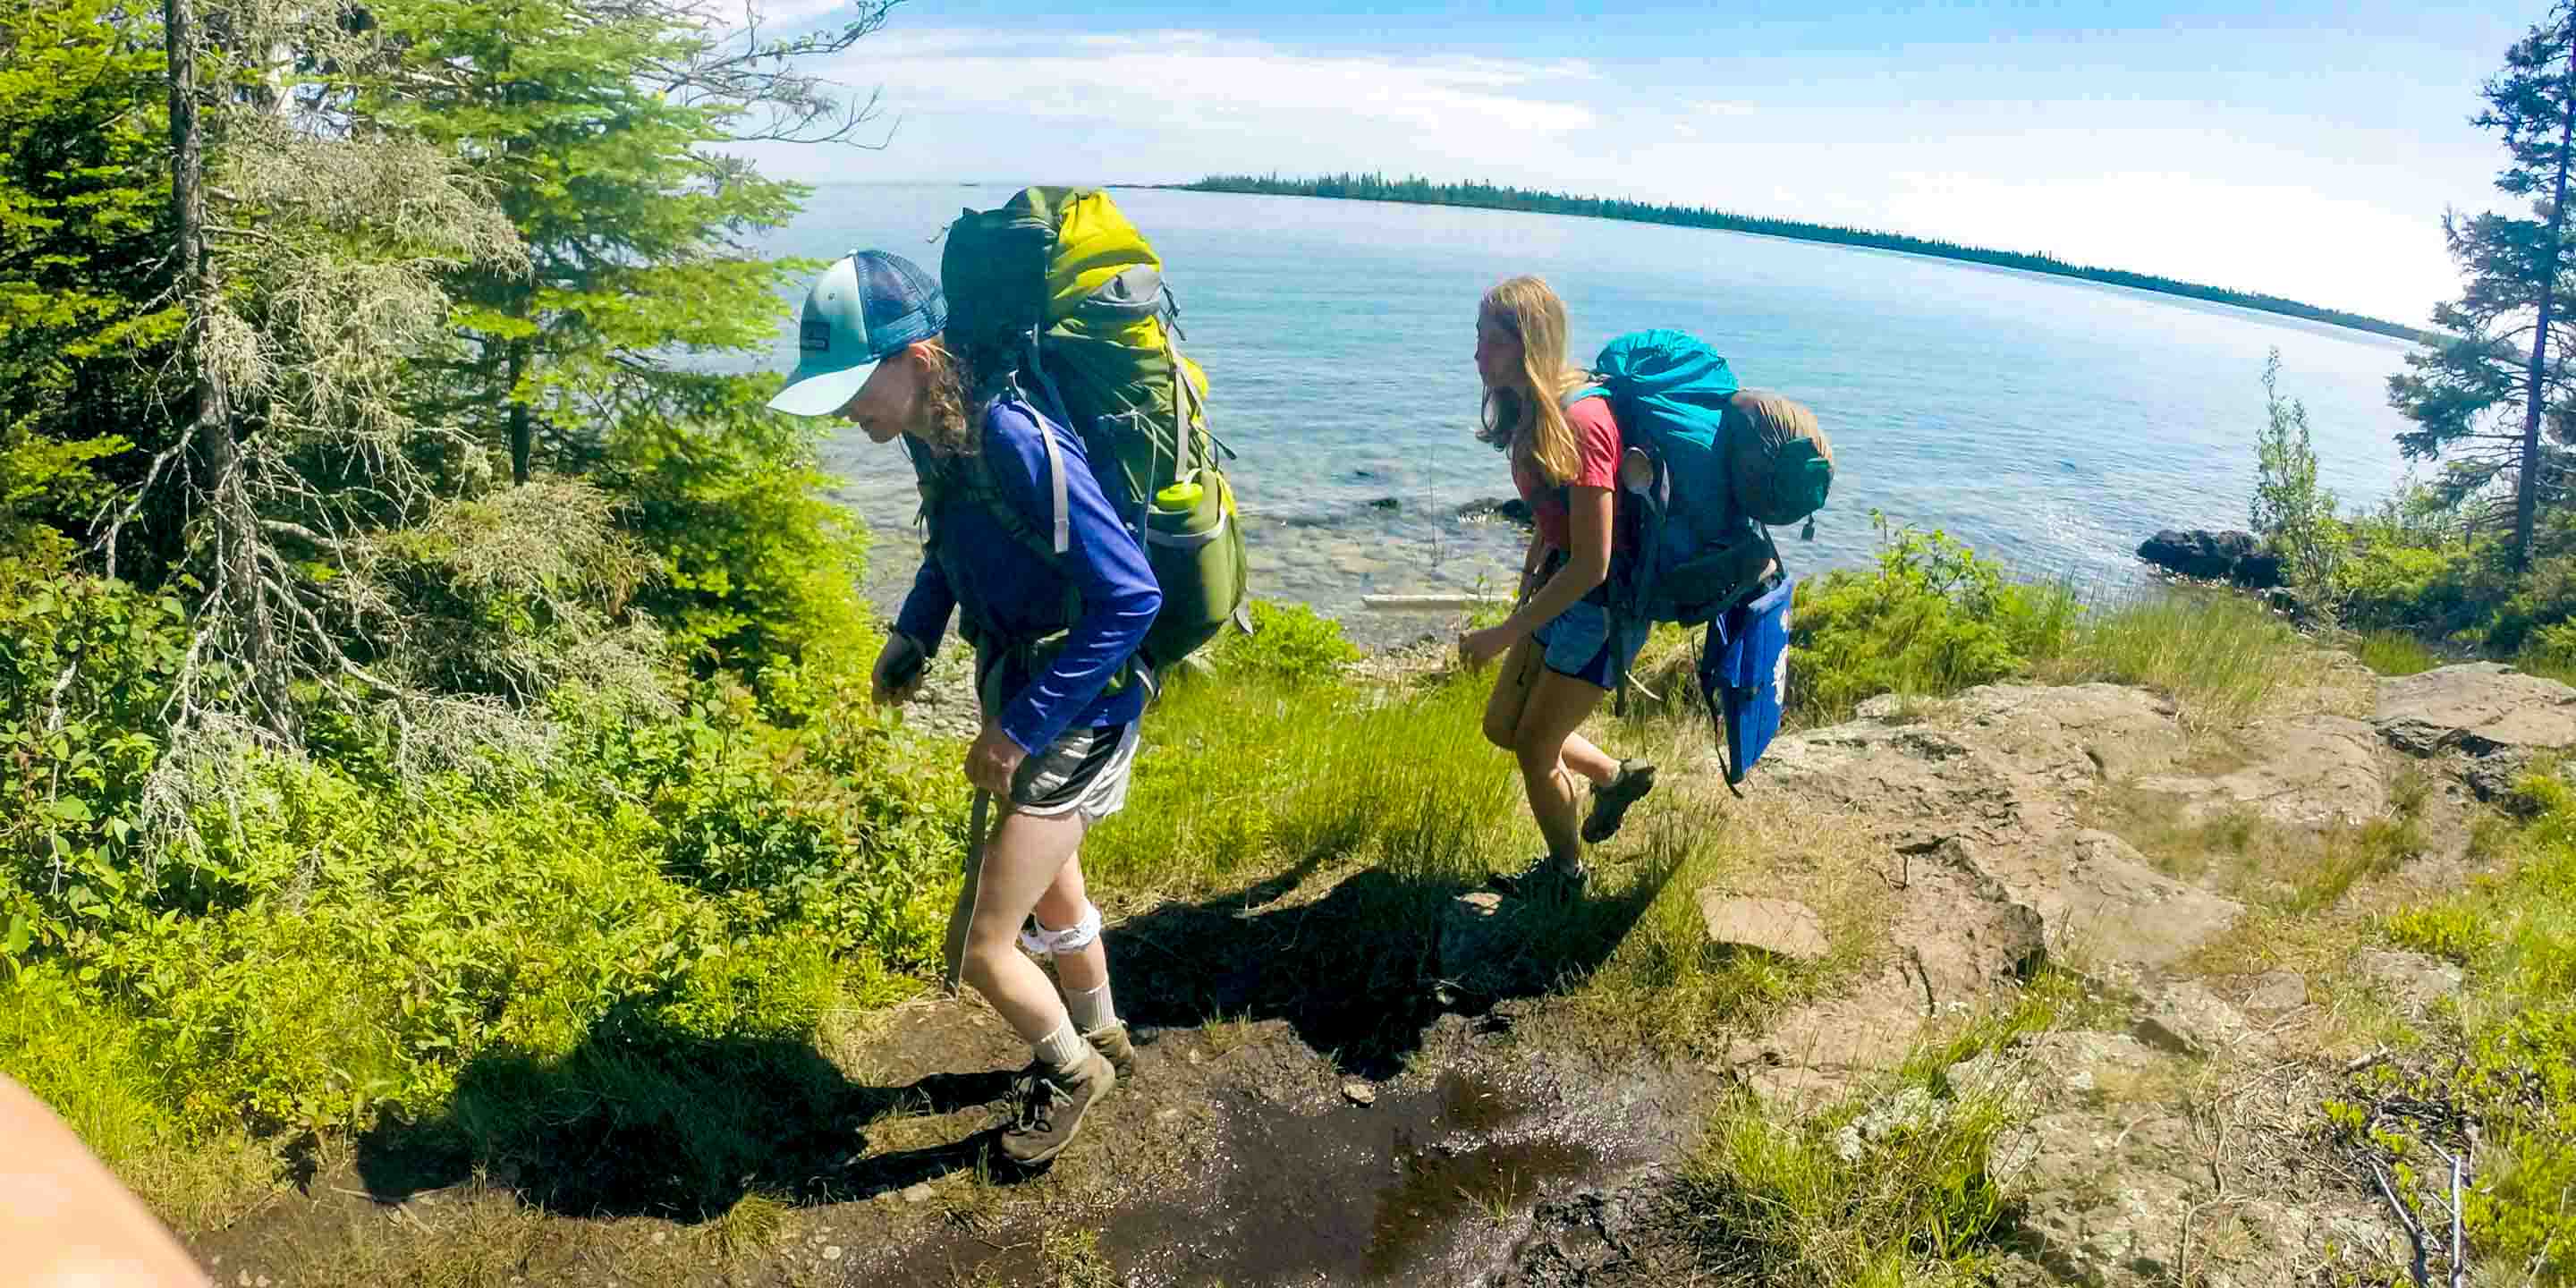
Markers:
(814, 335)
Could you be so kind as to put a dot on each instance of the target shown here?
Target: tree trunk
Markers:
(218, 497)
(2526, 501)
(523, 433)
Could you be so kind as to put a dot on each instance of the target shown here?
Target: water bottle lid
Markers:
(1179, 496)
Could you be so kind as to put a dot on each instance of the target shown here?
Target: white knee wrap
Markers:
(1043, 942)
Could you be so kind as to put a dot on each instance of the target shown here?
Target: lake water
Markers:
(2050, 423)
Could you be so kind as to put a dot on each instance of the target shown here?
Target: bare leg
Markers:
(1062, 905)
(1514, 686)
(1557, 706)
(1025, 856)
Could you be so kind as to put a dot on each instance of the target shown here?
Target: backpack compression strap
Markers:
(1056, 489)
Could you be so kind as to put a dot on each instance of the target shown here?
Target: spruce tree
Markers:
(2480, 395)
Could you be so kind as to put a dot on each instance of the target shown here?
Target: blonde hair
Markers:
(1529, 422)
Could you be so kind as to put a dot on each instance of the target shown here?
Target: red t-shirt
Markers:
(1596, 454)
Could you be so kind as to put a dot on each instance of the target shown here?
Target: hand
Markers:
(1480, 647)
(900, 665)
(992, 761)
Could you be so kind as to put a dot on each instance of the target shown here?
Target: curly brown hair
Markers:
(943, 401)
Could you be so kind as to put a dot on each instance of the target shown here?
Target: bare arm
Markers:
(1588, 568)
(65, 1219)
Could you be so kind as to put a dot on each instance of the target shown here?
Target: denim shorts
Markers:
(1579, 645)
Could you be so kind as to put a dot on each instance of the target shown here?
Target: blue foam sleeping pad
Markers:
(1744, 675)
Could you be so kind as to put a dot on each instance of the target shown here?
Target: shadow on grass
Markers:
(643, 1120)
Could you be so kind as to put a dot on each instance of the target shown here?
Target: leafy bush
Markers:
(2390, 585)
(1932, 620)
(1288, 642)
(345, 937)
(757, 566)
(508, 595)
(2293, 516)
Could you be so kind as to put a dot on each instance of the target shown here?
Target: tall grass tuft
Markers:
(2395, 653)
(1252, 778)
(2223, 656)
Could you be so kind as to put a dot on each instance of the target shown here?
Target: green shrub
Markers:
(2389, 584)
(343, 941)
(1933, 619)
(757, 566)
(2446, 931)
(1289, 642)
(2543, 598)
(2294, 517)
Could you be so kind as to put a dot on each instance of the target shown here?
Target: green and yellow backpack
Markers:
(1060, 279)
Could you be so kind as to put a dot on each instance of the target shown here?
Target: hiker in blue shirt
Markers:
(1060, 702)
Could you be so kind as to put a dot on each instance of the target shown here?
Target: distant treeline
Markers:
(1420, 191)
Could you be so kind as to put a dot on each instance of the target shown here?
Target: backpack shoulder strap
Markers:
(971, 477)
(1565, 401)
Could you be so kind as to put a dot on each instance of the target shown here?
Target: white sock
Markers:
(1063, 1050)
(1089, 1008)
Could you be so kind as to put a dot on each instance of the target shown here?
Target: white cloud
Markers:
(729, 14)
(1151, 86)
(2193, 190)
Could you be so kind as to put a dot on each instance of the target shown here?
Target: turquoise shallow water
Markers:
(2048, 422)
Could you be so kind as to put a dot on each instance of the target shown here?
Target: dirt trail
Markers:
(1357, 1118)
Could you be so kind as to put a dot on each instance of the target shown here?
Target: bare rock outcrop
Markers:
(2479, 709)
(1980, 803)
(2301, 771)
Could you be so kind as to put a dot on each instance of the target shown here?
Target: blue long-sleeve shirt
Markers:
(1000, 581)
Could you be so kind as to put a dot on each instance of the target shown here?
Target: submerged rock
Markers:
(1511, 509)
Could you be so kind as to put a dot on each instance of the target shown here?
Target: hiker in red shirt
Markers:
(1562, 649)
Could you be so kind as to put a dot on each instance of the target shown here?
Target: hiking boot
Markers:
(1047, 1108)
(1111, 1041)
(1545, 876)
(1610, 801)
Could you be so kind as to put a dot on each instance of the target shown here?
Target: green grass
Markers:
(2506, 1056)
(2395, 653)
(2548, 667)
(1074, 1260)
(1895, 1184)
(1664, 985)
(1245, 780)
(2224, 657)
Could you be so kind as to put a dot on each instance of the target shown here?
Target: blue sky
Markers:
(2306, 149)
